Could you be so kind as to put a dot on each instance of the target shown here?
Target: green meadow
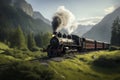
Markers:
(98, 65)
(83, 67)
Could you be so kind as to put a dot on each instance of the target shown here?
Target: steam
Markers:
(64, 19)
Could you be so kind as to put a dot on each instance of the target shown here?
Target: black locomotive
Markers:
(62, 43)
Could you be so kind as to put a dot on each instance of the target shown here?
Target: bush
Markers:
(26, 71)
(105, 62)
(35, 49)
(16, 53)
(112, 48)
(24, 54)
(4, 60)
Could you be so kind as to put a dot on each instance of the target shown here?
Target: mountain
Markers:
(13, 14)
(82, 29)
(38, 15)
(102, 30)
(22, 4)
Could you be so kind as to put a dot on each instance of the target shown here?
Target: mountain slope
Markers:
(38, 15)
(22, 4)
(82, 29)
(12, 17)
(102, 30)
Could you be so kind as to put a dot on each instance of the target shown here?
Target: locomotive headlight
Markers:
(53, 35)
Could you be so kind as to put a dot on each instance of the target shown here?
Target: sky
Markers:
(87, 12)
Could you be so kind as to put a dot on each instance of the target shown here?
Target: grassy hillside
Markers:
(3, 47)
(15, 54)
(82, 67)
(98, 65)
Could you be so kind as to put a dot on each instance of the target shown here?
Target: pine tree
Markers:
(18, 39)
(46, 39)
(31, 42)
(115, 38)
(39, 40)
(43, 40)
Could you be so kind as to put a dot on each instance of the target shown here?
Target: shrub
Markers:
(105, 62)
(26, 71)
(4, 60)
(112, 48)
(16, 53)
(35, 49)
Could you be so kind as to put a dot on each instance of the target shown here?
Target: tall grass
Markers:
(81, 67)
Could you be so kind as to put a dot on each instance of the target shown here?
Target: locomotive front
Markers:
(54, 41)
(59, 44)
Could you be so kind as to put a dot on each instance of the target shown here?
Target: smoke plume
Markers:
(64, 19)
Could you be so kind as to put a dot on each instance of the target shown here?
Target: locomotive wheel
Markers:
(63, 50)
(51, 52)
(55, 51)
(79, 49)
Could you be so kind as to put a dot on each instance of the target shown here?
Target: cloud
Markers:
(90, 20)
(109, 9)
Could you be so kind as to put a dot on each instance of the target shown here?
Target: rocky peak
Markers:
(22, 4)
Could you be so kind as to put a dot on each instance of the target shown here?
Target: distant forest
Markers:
(16, 38)
(115, 39)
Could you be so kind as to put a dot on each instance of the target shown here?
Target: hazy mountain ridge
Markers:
(102, 30)
(27, 8)
(82, 29)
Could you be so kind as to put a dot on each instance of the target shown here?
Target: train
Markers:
(61, 44)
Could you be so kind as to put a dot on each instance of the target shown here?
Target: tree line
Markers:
(16, 38)
(115, 35)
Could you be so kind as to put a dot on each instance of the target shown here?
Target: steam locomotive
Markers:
(62, 43)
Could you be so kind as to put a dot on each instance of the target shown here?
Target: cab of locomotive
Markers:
(77, 40)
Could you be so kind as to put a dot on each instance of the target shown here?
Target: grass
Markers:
(81, 68)
(3, 47)
(22, 55)
(15, 54)
(16, 65)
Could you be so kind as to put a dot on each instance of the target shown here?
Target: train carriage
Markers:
(106, 45)
(88, 44)
(99, 45)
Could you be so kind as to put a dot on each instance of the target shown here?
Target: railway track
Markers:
(46, 60)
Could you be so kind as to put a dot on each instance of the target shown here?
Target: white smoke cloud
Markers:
(67, 20)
